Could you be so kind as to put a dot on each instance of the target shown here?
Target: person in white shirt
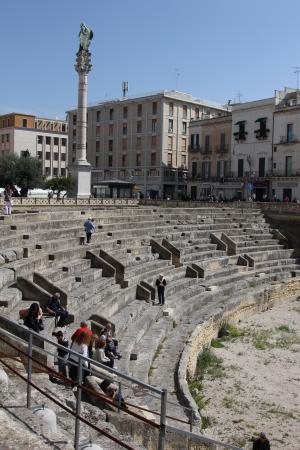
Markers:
(100, 354)
(80, 345)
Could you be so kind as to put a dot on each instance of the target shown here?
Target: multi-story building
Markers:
(286, 145)
(46, 139)
(209, 158)
(251, 150)
(142, 139)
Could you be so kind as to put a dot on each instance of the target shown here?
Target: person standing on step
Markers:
(161, 284)
(89, 229)
(262, 443)
(7, 194)
(61, 354)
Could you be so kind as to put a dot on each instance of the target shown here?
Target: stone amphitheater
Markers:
(221, 264)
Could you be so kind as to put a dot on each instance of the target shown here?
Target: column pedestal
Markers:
(82, 177)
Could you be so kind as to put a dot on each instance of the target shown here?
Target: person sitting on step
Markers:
(33, 318)
(111, 349)
(100, 353)
(54, 308)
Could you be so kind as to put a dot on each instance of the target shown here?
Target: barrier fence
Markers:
(14, 342)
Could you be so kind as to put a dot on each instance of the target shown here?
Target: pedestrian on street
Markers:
(7, 199)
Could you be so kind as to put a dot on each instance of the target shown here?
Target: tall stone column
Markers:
(80, 170)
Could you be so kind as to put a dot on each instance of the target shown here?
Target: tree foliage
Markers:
(24, 171)
(59, 184)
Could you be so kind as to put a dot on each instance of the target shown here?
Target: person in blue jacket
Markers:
(89, 229)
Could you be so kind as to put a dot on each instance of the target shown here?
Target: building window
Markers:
(40, 155)
(139, 126)
(97, 146)
(63, 127)
(220, 169)
(97, 161)
(48, 140)
(63, 156)
(47, 171)
(97, 130)
(184, 111)
(240, 168)
(74, 146)
(170, 160)
(261, 167)
(40, 139)
(262, 131)
(55, 156)
(110, 161)
(153, 159)
(139, 110)
(222, 141)
(183, 144)
(74, 132)
(288, 166)
(124, 129)
(125, 112)
(183, 127)
(170, 126)
(194, 169)
(55, 171)
(111, 114)
(153, 141)
(48, 156)
(123, 160)
(197, 113)
(63, 172)
(124, 144)
(98, 116)
(171, 109)
(206, 165)
(154, 108)
(56, 141)
(24, 123)
(183, 160)
(138, 159)
(154, 125)
(241, 134)
(110, 129)
(170, 142)
(139, 142)
(206, 143)
(63, 142)
(290, 132)
(2, 138)
(74, 119)
(110, 145)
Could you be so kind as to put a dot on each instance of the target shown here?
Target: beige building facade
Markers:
(210, 158)
(46, 139)
(143, 140)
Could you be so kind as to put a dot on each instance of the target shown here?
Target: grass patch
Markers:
(261, 339)
(285, 328)
(231, 333)
(205, 422)
(217, 343)
(281, 412)
(157, 351)
(228, 402)
(174, 324)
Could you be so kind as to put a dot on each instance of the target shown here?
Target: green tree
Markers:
(59, 184)
(8, 164)
(29, 174)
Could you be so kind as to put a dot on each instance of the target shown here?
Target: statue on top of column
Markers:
(85, 37)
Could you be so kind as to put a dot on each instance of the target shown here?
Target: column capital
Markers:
(83, 62)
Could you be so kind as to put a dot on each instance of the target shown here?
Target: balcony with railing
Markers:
(194, 148)
(222, 149)
(206, 150)
(288, 139)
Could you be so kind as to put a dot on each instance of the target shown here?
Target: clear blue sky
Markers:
(218, 46)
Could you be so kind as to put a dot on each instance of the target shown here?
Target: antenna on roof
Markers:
(177, 75)
(297, 74)
(124, 88)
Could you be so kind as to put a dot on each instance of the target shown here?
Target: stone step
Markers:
(71, 267)
(200, 256)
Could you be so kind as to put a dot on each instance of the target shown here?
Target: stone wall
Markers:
(206, 331)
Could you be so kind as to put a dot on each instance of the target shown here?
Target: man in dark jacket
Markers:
(55, 309)
(161, 284)
(262, 443)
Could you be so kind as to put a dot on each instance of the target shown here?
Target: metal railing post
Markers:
(162, 425)
(78, 405)
(29, 371)
(120, 395)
